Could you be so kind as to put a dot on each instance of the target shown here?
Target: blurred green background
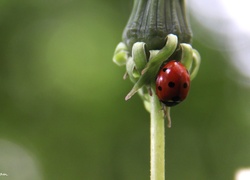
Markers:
(62, 108)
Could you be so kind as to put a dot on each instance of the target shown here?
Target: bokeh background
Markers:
(62, 108)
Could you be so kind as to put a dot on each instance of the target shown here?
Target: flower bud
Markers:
(152, 20)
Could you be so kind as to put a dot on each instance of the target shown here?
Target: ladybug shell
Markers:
(172, 83)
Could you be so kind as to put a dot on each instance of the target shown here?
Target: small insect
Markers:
(172, 83)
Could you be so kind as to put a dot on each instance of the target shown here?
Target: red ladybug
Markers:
(172, 83)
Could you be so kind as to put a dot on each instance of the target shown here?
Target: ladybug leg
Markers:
(166, 111)
(150, 91)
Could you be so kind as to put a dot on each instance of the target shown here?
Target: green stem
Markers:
(157, 140)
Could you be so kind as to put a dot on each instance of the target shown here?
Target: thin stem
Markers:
(157, 140)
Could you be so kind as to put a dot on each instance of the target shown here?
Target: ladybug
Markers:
(172, 83)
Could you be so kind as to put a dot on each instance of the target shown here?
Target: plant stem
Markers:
(157, 140)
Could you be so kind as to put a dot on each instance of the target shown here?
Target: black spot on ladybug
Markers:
(165, 69)
(159, 88)
(176, 98)
(185, 85)
(171, 84)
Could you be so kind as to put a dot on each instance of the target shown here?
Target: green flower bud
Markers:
(152, 20)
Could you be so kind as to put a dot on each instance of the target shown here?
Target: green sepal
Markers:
(140, 55)
(121, 54)
(196, 64)
(130, 68)
(186, 55)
